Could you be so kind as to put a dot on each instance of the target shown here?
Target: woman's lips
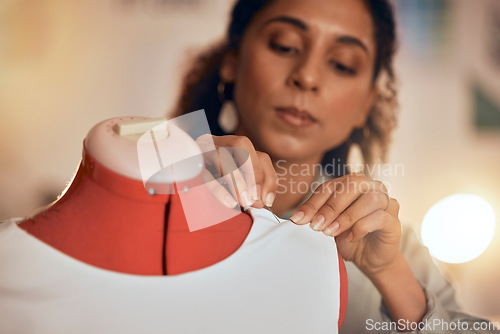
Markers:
(293, 116)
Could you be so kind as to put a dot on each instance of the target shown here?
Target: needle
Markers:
(269, 209)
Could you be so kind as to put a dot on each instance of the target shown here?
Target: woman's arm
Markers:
(442, 311)
(402, 294)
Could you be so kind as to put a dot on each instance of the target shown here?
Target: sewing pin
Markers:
(269, 209)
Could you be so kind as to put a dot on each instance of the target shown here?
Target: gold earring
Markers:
(221, 91)
(228, 116)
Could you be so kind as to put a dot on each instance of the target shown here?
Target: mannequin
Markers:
(246, 274)
(117, 225)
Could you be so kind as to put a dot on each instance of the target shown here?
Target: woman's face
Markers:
(303, 76)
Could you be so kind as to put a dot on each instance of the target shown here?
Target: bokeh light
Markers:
(458, 228)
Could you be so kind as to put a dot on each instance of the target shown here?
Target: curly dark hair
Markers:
(199, 90)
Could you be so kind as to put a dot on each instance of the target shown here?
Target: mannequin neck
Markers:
(110, 221)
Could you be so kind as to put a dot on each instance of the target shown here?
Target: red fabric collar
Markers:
(110, 221)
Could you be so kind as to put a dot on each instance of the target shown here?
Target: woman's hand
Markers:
(361, 216)
(246, 176)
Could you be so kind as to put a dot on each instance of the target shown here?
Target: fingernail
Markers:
(331, 229)
(245, 198)
(270, 199)
(256, 192)
(230, 202)
(297, 216)
(317, 222)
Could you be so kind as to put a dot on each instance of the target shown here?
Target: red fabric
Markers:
(110, 221)
(343, 290)
(190, 250)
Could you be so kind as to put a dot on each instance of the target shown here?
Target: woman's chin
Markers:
(289, 151)
(282, 145)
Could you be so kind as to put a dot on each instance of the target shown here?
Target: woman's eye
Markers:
(283, 49)
(342, 68)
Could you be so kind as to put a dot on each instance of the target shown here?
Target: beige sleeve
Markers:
(443, 314)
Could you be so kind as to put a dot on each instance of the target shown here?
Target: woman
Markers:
(308, 79)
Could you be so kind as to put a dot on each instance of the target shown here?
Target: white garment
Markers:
(365, 308)
(283, 279)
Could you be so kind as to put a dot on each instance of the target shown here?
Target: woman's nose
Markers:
(306, 76)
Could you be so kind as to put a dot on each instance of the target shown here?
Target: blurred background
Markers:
(67, 65)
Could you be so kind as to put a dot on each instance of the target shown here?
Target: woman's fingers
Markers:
(269, 183)
(393, 208)
(221, 165)
(218, 191)
(248, 163)
(305, 212)
(249, 174)
(376, 221)
(379, 220)
(255, 175)
(366, 204)
(330, 199)
(252, 163)
(337, 205)
(233, 176)
(256, 166)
